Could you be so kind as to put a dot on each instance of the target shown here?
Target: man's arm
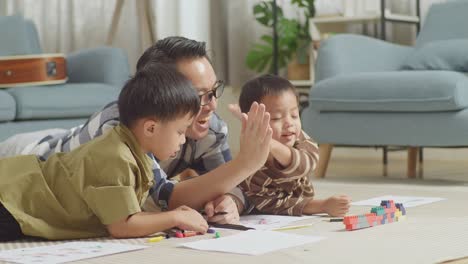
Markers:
(97, 124)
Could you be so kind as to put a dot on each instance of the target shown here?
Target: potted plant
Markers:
(293, 37)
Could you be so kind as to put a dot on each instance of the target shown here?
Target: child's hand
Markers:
(255, 137)
(235, 110)
(189, 219)
(224, 203)
(336, 205)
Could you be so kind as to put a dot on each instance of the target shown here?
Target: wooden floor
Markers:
(441, 164)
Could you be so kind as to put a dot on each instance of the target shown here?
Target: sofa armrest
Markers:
(99, 65)
(348, 53)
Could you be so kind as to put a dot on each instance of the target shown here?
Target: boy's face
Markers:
(200, 72)
(284, 113)
(167, 137)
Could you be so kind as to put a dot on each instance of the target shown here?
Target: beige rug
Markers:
(432, 232)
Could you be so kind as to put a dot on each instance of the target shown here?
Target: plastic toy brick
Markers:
(387, 212)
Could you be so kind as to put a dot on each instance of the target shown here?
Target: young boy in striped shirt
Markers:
(282, 186)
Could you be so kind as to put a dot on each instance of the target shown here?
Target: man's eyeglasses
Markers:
(216, 91)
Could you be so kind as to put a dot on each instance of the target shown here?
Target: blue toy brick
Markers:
(362, 221)
(385, 203)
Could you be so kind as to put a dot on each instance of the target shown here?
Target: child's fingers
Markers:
(345, 197)
(265, 125)
(260, 117)
(201, 228)
(255, 122)
(230, 218)
(209, 209)
(268, 138)
(220, 219)
(252, 116)
(235, 110)
(244, 119)
(223, 204)
(343, 201)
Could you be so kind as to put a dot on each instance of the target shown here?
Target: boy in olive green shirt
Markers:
(99, 188)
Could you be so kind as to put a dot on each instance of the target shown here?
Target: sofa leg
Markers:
(385, 161)
(412, 161)
(325, 151)
(421, 165)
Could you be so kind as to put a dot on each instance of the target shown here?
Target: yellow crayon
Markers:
(156, 239)
(293, 227)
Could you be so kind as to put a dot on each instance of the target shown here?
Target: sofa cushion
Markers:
(400, 91)
(7, 107)
(14, 38)
(62, 101)
(446, 55)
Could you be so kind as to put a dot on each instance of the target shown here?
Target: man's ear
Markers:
(150, 127)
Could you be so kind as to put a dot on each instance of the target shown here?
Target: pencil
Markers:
(217, 213)
(293, 227)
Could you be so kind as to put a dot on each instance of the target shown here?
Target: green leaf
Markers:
(263, 13)
(267, 39)
(300, 3)
(259, 56)
(293, 35)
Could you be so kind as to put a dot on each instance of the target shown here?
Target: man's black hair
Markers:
(170, 50)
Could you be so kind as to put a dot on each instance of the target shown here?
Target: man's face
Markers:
(200, 72)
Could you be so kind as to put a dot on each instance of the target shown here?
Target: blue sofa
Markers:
(95, 77)
(370, 92)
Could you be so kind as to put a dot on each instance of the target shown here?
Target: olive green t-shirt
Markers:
(75, 194)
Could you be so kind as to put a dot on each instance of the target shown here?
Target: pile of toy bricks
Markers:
(387, 212)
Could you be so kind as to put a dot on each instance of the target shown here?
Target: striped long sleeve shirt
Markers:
(284, 190)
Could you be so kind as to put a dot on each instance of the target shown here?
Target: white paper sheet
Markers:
(270, 222)
(407, 201)
(65, 252)
(252, 242)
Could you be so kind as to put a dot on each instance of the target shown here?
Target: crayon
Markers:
(190, 233)
(156, 239)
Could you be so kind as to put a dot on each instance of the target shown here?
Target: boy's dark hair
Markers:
(158, 91)
(257, 88)
(172, 49)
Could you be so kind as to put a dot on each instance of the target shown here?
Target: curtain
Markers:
(67, 26)
(228, 27)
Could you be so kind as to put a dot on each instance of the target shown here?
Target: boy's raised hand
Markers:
(235, 110)
(189, 219)
(255, 137)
